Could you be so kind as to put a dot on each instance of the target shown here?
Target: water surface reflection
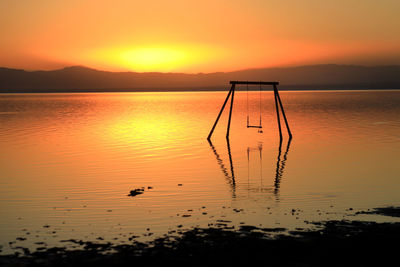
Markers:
(68, 161)
(230, 174)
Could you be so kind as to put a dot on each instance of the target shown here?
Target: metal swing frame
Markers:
(231, 94)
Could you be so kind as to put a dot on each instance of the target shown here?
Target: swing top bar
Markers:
(247, 82)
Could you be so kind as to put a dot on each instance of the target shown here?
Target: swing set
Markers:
(278, 106)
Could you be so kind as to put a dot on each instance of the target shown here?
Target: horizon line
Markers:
(196, 73)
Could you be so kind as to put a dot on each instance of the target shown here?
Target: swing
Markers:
(259, 126)
(231, 94)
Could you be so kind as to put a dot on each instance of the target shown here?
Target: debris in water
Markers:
(135, 192)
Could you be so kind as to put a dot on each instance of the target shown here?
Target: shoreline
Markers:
(331, 243)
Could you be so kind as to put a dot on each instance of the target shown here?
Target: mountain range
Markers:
(313, 77)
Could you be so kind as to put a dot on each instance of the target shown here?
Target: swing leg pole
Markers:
(230, 111)
(277, 113)
(219, 115)
(283, 112)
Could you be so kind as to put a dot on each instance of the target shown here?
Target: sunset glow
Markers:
(147, 59)
(199, 133)
(183, 36)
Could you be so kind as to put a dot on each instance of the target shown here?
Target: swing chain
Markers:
(260, 105)
(248, 106)
(259, 126)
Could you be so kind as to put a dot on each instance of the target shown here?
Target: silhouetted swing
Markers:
(259, 126)
(231, 94)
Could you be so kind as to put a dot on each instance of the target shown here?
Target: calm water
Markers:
(68, 162)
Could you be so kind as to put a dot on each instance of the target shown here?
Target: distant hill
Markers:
(82, 79)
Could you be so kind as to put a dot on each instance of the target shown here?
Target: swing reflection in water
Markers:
(230, 175)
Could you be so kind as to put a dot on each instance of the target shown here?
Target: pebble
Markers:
(135, 192)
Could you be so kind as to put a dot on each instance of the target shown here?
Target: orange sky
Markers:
(197, 36)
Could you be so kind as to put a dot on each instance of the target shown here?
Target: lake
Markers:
(69, 161)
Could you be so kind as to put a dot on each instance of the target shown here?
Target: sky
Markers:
(197, 36)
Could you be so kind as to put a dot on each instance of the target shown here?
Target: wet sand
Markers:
(329, 243)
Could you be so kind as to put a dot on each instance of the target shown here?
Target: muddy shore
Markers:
(329, 243)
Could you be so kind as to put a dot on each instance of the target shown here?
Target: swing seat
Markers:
(253, 126)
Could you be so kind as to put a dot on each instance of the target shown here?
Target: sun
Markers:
(153, 59)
